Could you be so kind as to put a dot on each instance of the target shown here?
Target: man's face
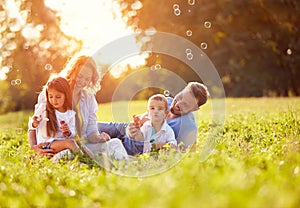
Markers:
(184, 103)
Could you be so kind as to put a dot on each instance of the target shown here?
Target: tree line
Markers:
(254, 45)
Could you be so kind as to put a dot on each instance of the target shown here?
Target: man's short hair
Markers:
(200, 92)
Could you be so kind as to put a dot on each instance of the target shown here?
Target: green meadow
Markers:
(254, 161)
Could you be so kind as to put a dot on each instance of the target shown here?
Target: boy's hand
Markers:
(136, 121)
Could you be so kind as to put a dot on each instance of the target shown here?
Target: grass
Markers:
(255, 163)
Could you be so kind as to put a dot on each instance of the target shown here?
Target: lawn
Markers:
(254, 161)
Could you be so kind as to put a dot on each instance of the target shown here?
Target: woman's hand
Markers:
(38, 149)
(103, 137)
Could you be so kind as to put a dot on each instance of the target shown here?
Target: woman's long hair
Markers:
(73, 68)
(59, 84)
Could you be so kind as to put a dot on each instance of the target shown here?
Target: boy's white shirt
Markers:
(165, 135)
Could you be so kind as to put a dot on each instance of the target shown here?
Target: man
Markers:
(180, 118)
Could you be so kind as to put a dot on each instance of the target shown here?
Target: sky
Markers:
(95, 22)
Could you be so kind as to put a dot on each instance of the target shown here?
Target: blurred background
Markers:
(254, 45)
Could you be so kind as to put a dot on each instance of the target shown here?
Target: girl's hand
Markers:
(38, 149)
(36, 121)
(64, 127)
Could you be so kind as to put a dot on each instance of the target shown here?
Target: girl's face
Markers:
(56, 99)
(84, 77)
(157, 110)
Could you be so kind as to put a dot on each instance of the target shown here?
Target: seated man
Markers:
(180, 118)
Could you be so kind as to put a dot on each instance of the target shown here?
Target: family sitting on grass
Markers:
(66, 112)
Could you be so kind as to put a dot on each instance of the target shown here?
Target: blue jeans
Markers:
(118, 130)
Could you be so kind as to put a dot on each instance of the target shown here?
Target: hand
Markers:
(36, 121)
(38, 149)
(136, 121)
(103, 137)
(64, 127)
(132, 130)
(140, 120)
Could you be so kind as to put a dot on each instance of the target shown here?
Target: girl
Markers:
(84, 80)
(56, 125)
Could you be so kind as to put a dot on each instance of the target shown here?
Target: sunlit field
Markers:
(255, 163)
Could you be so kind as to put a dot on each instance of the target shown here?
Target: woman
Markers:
(83, 78)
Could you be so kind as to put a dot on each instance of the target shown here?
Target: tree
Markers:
(33, 46)
(253, 44)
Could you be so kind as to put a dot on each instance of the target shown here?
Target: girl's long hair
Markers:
(59, 84)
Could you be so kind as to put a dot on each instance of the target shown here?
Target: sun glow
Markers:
(95, 22)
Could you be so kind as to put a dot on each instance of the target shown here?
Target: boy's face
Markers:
(157, 110)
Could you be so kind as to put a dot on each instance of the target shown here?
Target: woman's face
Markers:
(84, 77)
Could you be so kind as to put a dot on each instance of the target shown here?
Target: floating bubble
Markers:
(167, 93)
(207, 24)
(189, 56)
(152, 68)
(48, 67)
(191, 2)
(203, 45)
(13, 82)
(18, 81)
(289, 51)
(175, 6)
(188, 50)
(189, 33)
(157, 66)
(177, 12)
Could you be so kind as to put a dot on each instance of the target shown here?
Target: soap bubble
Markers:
(189, 33)
(167, 93)
(189, 56)
(48, 67)
(203, 45)
(207, 24)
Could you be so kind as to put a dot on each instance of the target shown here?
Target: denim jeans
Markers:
(118, 130)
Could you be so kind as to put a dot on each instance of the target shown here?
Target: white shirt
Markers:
(88, 109)
(164, 135)
(68, 117)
